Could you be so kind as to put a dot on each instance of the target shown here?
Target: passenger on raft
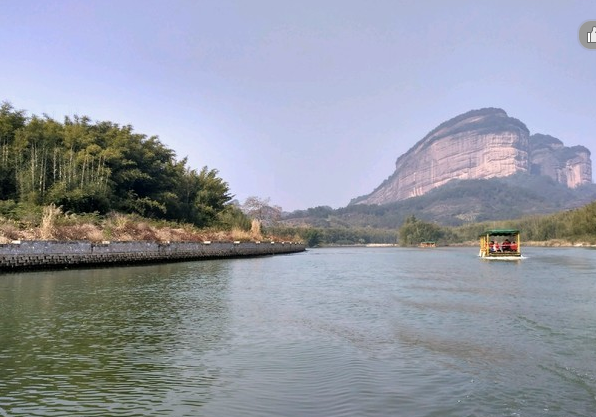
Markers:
(506, 245)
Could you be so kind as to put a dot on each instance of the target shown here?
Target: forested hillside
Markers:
(85, 166)
(577, 226)
(458, 212)
(458, 202)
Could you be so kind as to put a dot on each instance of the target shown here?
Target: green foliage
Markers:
(79, 200)
(577, 225)
(85, 167)
(29, 215)
(233, 218)
(415, 231)
(315, 236)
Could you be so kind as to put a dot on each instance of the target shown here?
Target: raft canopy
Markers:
(500, 232)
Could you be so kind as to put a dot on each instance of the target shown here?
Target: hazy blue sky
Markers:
(305, 102)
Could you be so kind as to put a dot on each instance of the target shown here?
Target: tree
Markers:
(313, 237)
(11, 121)
(83, 166)
(414, 231)
(260, 209)
(211, 198)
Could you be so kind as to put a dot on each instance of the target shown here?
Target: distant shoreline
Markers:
(555, 243)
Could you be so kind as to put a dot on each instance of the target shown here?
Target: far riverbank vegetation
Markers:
(572, 227)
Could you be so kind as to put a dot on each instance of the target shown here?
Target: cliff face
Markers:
(480, 144)
(569, 166)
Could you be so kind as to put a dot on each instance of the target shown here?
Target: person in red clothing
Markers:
(513, 246)
(506, 245)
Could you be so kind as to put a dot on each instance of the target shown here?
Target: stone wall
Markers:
(38, 254)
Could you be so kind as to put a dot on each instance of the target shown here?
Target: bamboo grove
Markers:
(100, 167)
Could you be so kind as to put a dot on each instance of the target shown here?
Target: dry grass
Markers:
(55, 225)
(8, 231)
(78, 232)
(255, 230)
(48, 220)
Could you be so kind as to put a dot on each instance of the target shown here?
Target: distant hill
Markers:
(457, 202)
(479, 145)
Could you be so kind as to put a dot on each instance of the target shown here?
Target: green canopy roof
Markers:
(500, 232)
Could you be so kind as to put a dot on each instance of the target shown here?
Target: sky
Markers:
(305, 103)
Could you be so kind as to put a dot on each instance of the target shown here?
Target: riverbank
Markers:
(39, 254)
(547, 243)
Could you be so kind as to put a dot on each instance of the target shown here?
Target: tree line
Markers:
(84, 166)
(575, 226)
(320, 236)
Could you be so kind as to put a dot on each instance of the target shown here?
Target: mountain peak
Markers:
(480, 144)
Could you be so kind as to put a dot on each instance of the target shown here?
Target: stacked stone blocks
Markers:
(38, 254)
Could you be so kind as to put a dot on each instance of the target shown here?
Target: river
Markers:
(327, 332)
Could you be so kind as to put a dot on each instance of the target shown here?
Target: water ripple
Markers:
(332, 332)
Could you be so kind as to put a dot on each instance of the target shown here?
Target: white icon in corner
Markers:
(592, 35)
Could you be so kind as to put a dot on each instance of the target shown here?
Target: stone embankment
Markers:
(37, 254)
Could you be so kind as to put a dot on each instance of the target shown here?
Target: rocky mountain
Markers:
(480, 144)
(569, 166)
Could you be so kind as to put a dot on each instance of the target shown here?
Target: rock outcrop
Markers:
(570, 166)
(480, 144)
